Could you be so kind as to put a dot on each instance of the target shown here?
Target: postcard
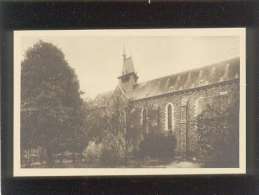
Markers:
(129, 102)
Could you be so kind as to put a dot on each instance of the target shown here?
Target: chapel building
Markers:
(171, 104)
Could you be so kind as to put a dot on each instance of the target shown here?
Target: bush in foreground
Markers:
(157, 146)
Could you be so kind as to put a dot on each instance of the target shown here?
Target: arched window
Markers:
(169, 117)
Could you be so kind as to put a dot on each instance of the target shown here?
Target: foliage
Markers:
(136, 129)
(93, 152)
(134, 132)
(157, 146)
(95, 121)
(218, 135)
(107, 126)
(113, 153)
(121, 130)
(115, 123)
(107, 153)
(51, 107)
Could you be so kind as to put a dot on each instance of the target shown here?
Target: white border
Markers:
(18, 171)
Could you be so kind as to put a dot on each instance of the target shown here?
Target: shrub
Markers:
(109, 153)
(218, 138)
(158, 146)
(113, 152)
(111, 158)
(93, 152)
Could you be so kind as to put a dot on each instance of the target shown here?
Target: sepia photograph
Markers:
(129, 102)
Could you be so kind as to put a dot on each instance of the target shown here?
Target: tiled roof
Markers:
(223, 71)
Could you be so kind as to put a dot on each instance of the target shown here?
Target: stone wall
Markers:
(187, 105)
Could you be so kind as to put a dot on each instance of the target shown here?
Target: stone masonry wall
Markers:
(187, 103)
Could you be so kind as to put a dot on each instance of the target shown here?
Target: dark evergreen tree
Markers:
(51, 107)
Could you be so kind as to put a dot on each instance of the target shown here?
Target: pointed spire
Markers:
(128, 66)
(128, 77)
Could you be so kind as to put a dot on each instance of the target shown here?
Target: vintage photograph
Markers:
(129, 102)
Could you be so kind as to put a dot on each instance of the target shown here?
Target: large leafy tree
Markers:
(51, 107)
(106, 123)
(218, 127)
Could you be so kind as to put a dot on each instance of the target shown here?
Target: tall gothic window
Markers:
(169, 122)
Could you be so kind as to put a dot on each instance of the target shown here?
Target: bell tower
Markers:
(129, 77)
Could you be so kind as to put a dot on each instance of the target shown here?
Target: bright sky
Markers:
(97, 60)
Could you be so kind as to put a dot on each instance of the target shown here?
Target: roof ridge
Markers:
(190, 70)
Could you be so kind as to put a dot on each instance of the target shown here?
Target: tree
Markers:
(106, 124)
(51, 107)
(218, 127)
(114, 140)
